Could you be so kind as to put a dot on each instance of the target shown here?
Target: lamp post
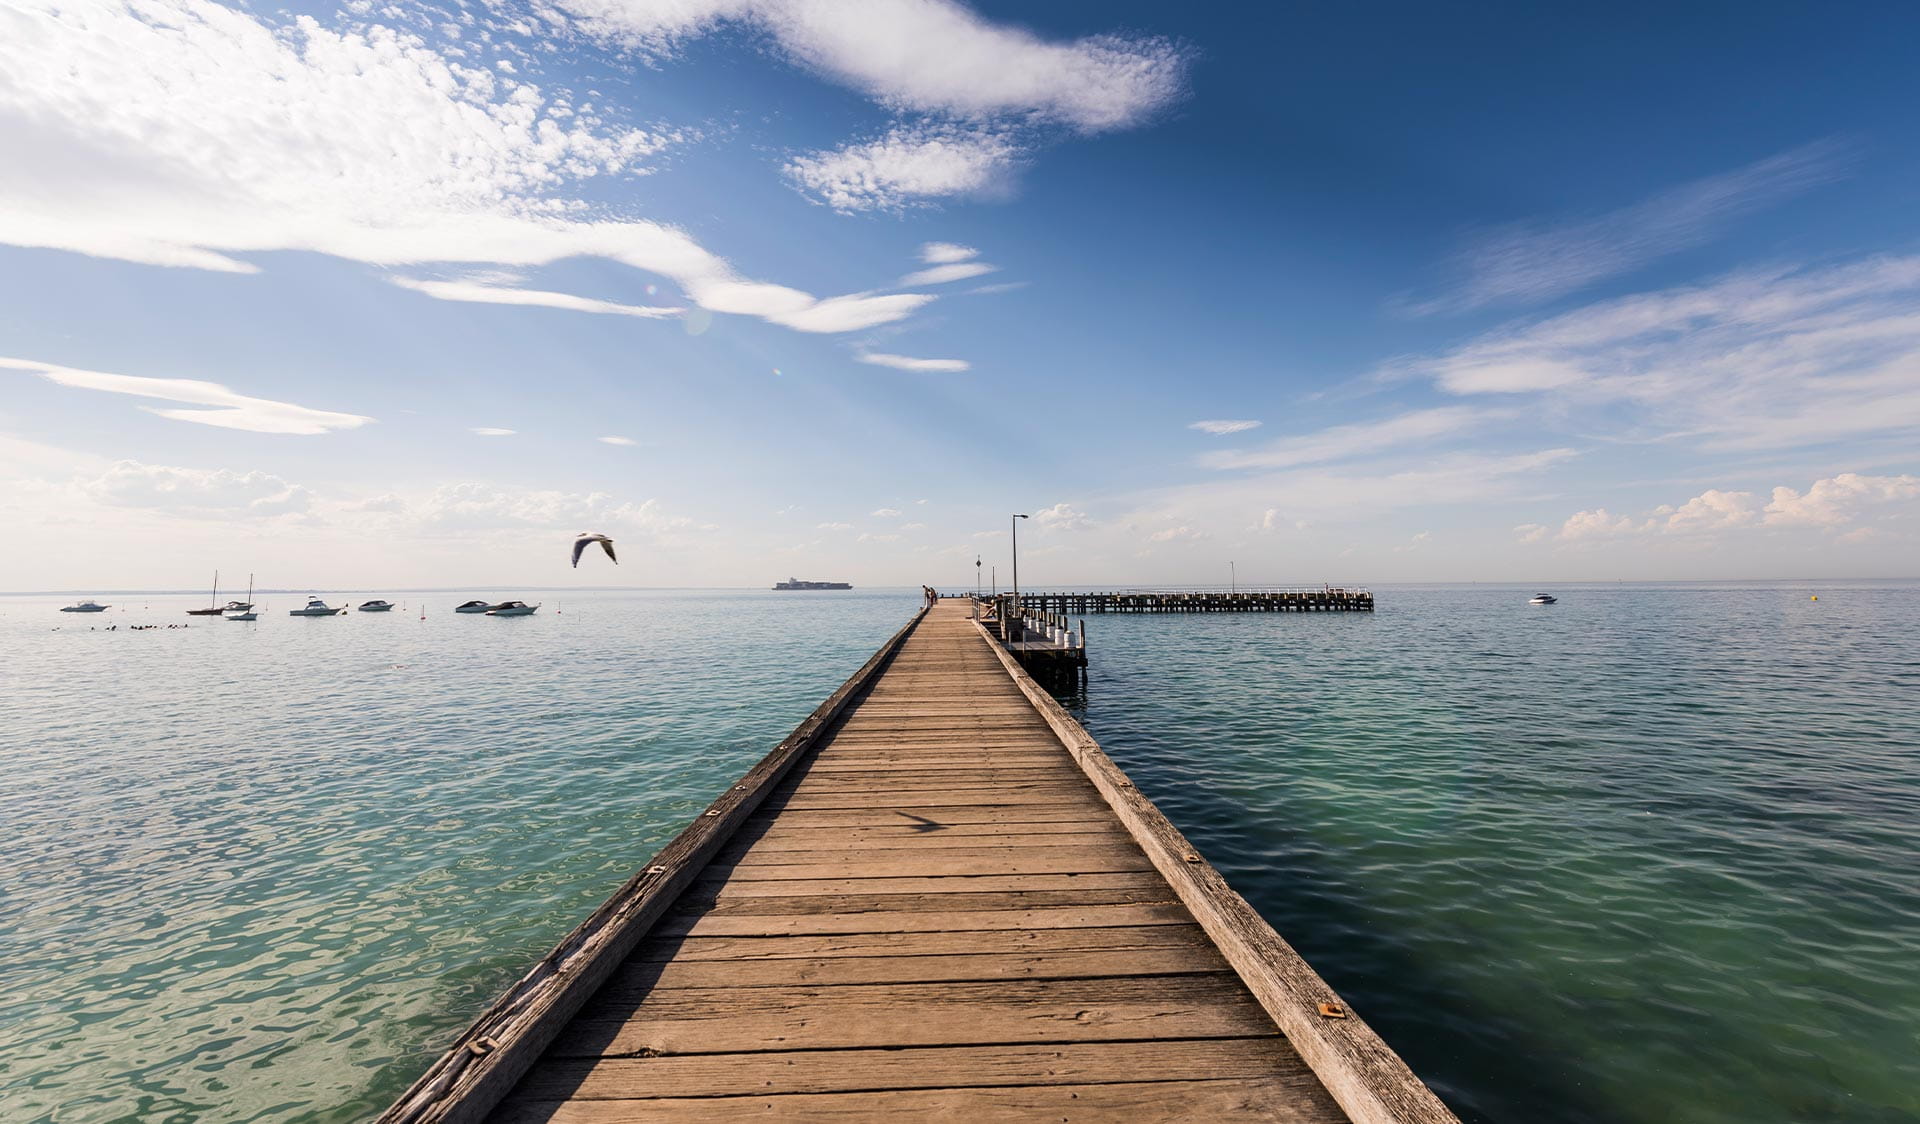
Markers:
(1015, 524)
(976, 575)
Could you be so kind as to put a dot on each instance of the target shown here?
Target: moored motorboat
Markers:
(376, 606)
(472, 607)
(316, 608)
(512, 609)
(1543, 599)
(85, 607)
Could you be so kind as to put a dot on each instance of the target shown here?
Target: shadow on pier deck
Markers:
(937, 899)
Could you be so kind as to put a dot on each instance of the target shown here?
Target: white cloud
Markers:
(196, 493)
(479, 293)
(1181, 533)
(220, 406)
(1761, 359)
(1224, 426)
(618, 441)
(913, 526)
(1711, 510)
(946, 253)
(885, 513)
(1831, 503)
(1344, 441)
(909, 363)
(1062, 517)
(1838, 500)
(943, 274)
(834, 526)
(908, 165)
(1530, 532)
(1598, 523)
(869, 536)
(926, 56)
(186, 132)
(1528, 262)
(493, 431)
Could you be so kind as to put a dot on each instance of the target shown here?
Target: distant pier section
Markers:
(1323, 599)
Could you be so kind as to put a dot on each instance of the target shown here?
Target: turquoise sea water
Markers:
(1648, 855)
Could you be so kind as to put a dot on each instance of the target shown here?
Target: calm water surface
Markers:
(1649, 855)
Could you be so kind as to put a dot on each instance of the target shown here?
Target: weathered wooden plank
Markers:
(729, 1020)
(740, 924)
(871, 840)
(1011, 942)
(803, 1071)
(1154, 1102)
(935, 884)
(936, 818)
(1139, 892)
(1104, 858)
(929, 798)
(838, 970)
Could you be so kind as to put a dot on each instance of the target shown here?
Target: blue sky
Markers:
(1511, 292)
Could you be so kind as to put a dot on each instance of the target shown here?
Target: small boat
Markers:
(376, 606)
(85, 607)
(512, 609)
(1543, 599)
(472, 607)
(316, 608)
(242, 610)
(214, 608)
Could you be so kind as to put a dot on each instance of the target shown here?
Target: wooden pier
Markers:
(936, 900)
(1329, 599)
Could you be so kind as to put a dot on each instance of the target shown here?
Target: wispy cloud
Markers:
(944, 274)
(1222, 427)
(946, 253)
(909, 165)
(929, 58)
(493, 431)
(1364, 439)
(1531, 262)
(618, 441)
(191, 133)
(1765, 359)
(1062, 517)
(196, 493)
(219, 406)
(475, 292)
(909, 363)
(885, 513)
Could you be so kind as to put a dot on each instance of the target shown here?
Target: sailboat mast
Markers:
(214, 598)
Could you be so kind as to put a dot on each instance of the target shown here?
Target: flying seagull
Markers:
(585, 540)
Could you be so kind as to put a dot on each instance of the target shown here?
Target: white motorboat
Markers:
(85, 607)
(376, 606)
(1543, 599)
(512, 609)
(472, 607)
(316, 608)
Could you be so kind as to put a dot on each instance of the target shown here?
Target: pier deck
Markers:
(935, 907)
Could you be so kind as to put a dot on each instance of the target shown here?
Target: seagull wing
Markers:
(606, 544)
(579, 545)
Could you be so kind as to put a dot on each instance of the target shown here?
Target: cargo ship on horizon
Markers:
(796, 583)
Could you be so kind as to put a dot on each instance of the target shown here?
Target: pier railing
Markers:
(1263, 600)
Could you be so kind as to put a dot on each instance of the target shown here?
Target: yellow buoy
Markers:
(1815, 597)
